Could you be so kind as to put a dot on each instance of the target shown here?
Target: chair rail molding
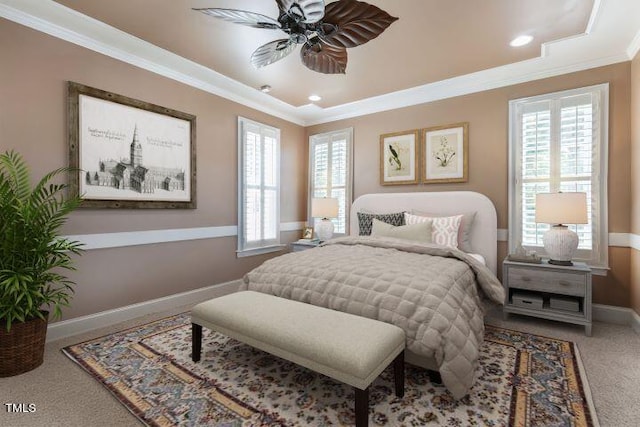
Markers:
(149, 237)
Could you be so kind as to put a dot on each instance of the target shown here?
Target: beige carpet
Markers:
(64, 395)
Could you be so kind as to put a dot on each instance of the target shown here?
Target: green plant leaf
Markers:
(33, 255)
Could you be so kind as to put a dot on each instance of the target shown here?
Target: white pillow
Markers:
(417, 232)
(444, 229)
(464, 233)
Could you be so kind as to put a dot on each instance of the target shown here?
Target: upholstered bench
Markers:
(345, 347)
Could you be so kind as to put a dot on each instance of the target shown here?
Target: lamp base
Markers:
(564, 263)
(324, 229)
(560, 244)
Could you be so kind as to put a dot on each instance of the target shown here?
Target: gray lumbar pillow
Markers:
(416, 232)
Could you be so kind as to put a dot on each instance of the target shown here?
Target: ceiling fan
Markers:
(324, 31)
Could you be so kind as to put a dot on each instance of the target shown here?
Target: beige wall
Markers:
(33, 75)
(487, 114)
(635, 180)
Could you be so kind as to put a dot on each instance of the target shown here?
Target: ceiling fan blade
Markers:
(307, 11)
(272, 52)
(251, 19)
(356, 22)
(324, 58)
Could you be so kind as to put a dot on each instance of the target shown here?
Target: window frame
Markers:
(318, 138)
(599, 254)
(262, 246)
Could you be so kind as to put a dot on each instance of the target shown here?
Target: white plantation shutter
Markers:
(558, 142)
(258, 187)
(330, 173)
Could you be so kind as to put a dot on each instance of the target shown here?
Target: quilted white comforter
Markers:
(430, 291)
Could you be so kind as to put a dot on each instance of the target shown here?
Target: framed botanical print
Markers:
(399, 158)
(445, 155)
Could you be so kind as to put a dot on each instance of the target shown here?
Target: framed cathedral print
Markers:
(127, 153)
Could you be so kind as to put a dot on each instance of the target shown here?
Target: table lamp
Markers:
(557, 209)
(325, 208)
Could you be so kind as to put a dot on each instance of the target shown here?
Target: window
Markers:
(258, 188)
(558, 142)
(330, 173)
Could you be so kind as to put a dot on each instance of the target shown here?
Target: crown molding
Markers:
(634, 47)
(494, 78)
(594, 15)
(67, 24)
(601, 44)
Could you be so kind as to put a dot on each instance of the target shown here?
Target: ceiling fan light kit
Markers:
(324, 31)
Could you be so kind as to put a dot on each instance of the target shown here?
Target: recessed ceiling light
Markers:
(521, 41)
(314, 98)
(265, 88)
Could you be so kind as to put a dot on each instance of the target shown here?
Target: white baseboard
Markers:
(635, 321)
(78, 325)
(616, 315)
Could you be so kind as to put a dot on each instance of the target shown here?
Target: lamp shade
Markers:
(324, 207)
(561, 208)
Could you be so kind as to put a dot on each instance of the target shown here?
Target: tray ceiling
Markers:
(432, 40)
(436, 49)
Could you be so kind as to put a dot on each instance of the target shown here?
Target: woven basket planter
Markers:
(22, 348)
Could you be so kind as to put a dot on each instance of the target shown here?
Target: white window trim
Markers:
(271, 245)
(600, 266)
(259, 251)
(349, 178)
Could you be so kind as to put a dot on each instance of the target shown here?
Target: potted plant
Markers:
(33, 258)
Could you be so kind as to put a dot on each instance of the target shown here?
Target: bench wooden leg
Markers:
(362, 407)
(434, 376)
(398, 373)
(196, 342)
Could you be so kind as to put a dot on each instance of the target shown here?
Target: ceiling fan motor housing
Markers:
(324, 31)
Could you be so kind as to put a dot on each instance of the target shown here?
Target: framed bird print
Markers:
(445, 154)
(399, 158)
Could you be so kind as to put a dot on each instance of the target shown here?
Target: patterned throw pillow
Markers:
(444, 229)
(365, 221)
(464, 233)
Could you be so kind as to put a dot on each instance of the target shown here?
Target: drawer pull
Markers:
(564, 283)
(526, 279)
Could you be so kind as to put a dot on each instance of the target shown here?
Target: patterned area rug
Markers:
(524, 380)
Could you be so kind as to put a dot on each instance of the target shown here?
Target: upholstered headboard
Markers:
(484, 237)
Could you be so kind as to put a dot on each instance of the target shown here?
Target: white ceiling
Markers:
(464, 50)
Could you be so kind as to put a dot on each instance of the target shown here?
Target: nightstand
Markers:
(548, 291)
(303, 246)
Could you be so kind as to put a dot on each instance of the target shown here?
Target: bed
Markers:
(435, 293)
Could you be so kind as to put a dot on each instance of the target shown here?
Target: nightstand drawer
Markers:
(547, 281)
